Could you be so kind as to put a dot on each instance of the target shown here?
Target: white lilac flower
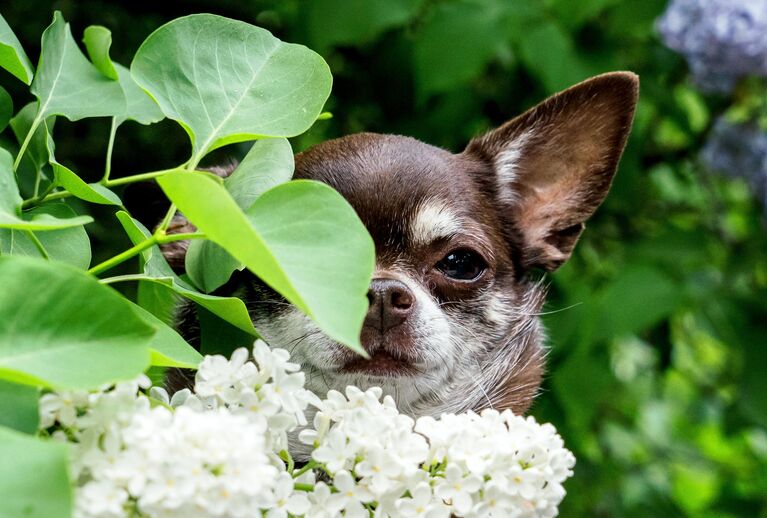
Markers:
(458, 488)
(351, 496)
(422, 503)
(222, 378)
(219, 450)
(321, 503)
(335, 452)
(287, 499)
(101, 498)
(61, 407)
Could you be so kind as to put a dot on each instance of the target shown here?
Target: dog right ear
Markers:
(554, 164)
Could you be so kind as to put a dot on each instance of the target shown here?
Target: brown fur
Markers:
(522, 193)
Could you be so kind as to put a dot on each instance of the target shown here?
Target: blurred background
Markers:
(658, 325)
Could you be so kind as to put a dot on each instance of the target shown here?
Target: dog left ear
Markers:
(554, 163)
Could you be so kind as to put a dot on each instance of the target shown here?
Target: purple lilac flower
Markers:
(738, 151)
(722, 40)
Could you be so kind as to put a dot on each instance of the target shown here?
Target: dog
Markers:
(455, 301)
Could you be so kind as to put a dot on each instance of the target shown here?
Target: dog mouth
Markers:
(380, 364)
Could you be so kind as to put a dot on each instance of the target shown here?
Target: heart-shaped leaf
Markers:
(67, 84)
(34, 477)
(301, 238)
(12, 56)
(227, 81)
(138, 105)
(69, 245)
(158, 271)
(81, 334)
(268, 163)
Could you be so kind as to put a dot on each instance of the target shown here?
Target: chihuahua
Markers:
(453, 322)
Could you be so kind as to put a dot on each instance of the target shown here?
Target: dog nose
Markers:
(391, 301)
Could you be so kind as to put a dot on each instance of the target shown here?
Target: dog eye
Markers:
(463, 265)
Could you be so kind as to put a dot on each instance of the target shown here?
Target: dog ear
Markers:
(554, 163)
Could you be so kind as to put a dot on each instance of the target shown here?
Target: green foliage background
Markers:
(658, 325)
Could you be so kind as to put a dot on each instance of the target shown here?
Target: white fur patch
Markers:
(497, 310)
(507, 164)
(433, 220)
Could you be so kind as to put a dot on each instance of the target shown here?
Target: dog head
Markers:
(453, 321)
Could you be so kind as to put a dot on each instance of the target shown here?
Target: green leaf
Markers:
(443, 61)
(301, 238)
(139, 106)
(42, 221)
(67, 83)
(34, 477)
(65, 177)
(36, 155)
(218, 336)
(68, 245)
(158, 299)
(10, 205)
(226, 81)
(168, 348)
(158, 271)
(625, 306)
(79, 335)
(92, 192)
(575, 14)
(268, 163)
(97, 41)
(18, 407)
(580, 384)
(332, 22)
(560, 65)
(10, 199)
(325, 250)
(12, 56)
(6, 108)
(753, 389)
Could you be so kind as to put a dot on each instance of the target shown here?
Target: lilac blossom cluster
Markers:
(722, 40)
(221, 450)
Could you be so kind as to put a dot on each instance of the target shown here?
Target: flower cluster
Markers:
(491, 464)
(722, 40)
(221, 450)
(739, 151)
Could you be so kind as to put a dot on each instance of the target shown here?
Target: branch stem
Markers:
(110, 148)
(158, 238)
(27, 140)
(36, 200)
(38, 244)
